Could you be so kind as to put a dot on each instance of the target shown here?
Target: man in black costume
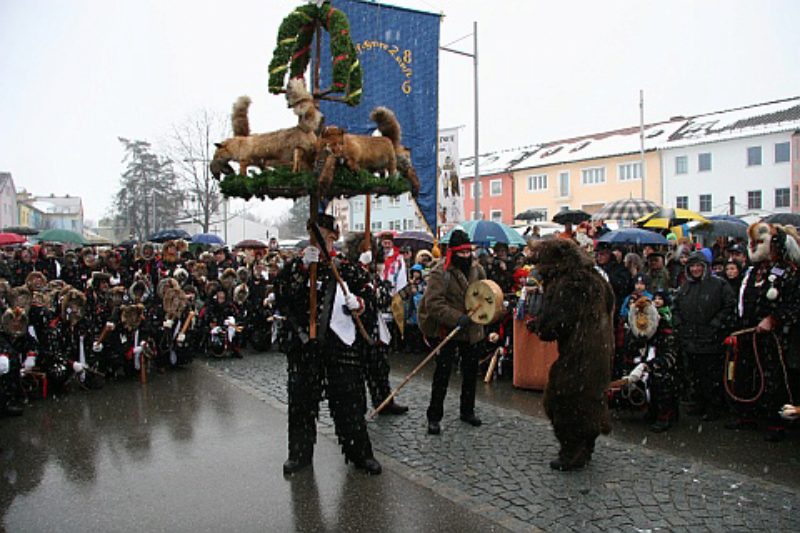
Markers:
(331, 361)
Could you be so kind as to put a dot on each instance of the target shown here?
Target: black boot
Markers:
(434, 428)
(370, 466)
(471, 419)
(395, 408)
(295, 465)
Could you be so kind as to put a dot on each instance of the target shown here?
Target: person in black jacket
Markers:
(329, 365)
(702, 313)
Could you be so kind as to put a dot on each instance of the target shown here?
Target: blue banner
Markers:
(399, 52)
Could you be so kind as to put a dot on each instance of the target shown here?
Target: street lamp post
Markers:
(474, 55)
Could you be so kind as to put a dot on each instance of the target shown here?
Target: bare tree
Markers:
(191, 146)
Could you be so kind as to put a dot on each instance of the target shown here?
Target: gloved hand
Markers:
(463, 321)
(352, 302)
(269, 299)
(230, 321)
(767, 324)
(789, 412)
(181, 338)
(5, 364)
(29, 363)
(636, 373)
(365, 258)
(167, 323)
(310, 255)
(215, 330)
(77, 367)
(110, 326)
(97, 347)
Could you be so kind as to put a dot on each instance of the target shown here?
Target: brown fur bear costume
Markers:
(577, 311)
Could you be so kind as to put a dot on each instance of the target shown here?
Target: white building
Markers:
(739, 161)
(396, 213)
(9, 215)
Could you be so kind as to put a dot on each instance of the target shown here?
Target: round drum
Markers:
(485, 297)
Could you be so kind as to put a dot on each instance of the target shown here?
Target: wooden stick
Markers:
(189, 319)
(492, 365)
(414, 372)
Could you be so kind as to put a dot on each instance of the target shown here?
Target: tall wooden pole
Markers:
(313, 204)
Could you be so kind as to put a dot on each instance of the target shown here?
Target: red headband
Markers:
(459, 248)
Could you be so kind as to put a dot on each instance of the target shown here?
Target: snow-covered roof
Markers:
(758, 119)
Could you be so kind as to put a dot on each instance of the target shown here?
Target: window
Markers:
(377, 225)
(480, 189)
(782, 152)
(782, 197)
(681, 164)
(753, 199)
(705, 203)
(496, 215)
(682, 202)
(704, 162)
(630, 171)
(377, 203)
(593, 176)
(537, 182)
(753, 156)
(495, 187)
(358, 226)
(563, 184)
(358, 206)
(394, 201)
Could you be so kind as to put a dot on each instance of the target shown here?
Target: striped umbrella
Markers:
(625, 209)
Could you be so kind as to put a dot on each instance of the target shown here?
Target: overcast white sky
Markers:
(75, 75)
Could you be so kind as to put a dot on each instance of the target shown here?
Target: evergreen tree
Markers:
(148, 198)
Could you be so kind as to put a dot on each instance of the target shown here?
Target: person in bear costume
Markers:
(578, 312)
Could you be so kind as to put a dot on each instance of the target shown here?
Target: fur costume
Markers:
(577, 311)
(35, 281)
(292, 146)
(374, 154)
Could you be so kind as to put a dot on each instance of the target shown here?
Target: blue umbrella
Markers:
(487, 233)
(207, 238)
(636, 236)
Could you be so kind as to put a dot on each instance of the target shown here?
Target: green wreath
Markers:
(281, 182)
(293, 51)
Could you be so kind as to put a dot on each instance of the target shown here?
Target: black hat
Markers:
(459, 237)
(641, 278)
(327, 222)
(736, 248)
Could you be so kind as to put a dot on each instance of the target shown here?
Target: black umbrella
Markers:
(785, 219)
(417, 240)
(721, 228)
(21, 230)
(531, 214)
(171, 234)
(571, 216)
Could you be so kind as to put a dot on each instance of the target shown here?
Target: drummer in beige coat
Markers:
(441, 310)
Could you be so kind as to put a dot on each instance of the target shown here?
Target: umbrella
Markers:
(720, 228)
(130, 243)
(252, 244)
(785, 219)
(7, 239)
(417, 240)
(571, 216)
(636, 236)
(625, 209)
(487, 232)
(667, 217)
(729, 218)
(21, 230)
(207, 238)
(171, 234)
(531, 214)
(64, 236)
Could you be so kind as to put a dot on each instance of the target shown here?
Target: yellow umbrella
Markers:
(667, 217)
